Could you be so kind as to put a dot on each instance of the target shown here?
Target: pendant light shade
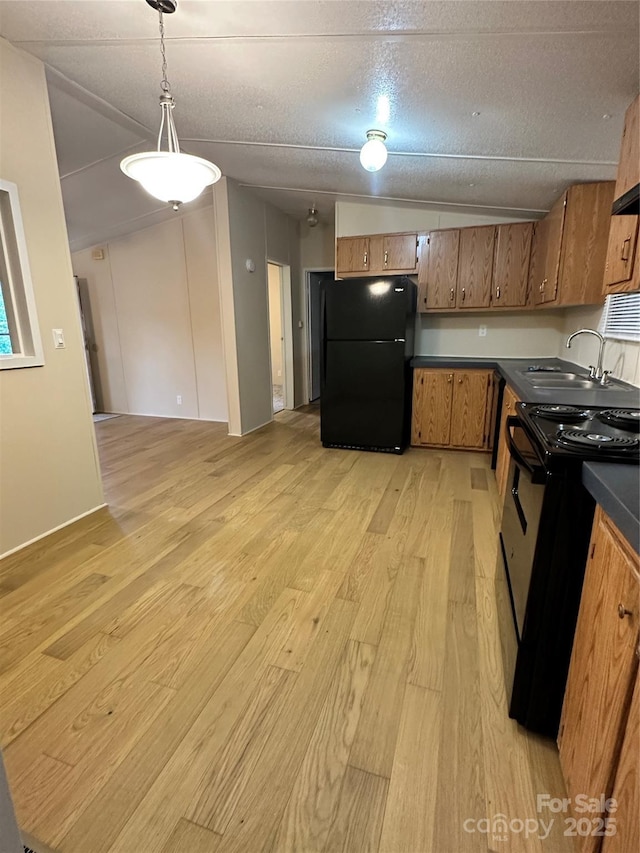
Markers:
(170, 175)
(373, 154)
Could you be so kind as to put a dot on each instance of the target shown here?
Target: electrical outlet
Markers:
(179, 399)
(482, 332)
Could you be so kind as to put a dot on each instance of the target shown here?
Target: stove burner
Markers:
(580, 439)
(565, 414)
(622, 418)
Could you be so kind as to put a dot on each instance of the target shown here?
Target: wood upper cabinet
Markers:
(622, 267)
(352, 255)
(545, 254)
(511, 265)
(626, 786)
(475, 267)
(442, 268)
(451, 408)
(377, 254)
(509, 401)
(603, 669)
(432, 400)
(628, 174)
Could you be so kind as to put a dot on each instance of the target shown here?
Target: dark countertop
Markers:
(627, 396)
(617, 489)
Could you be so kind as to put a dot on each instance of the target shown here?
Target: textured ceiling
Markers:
(280, 95)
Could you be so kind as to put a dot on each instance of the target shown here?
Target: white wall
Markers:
(622, 358)
(248, 229)
(156, 315)
(318, 245)
(48, 461)
(354, 218)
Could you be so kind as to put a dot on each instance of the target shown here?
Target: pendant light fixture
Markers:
(373, 154)
(169, 175)
(312, 218)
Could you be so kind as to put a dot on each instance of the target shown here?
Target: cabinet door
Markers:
(546, 255)
(468, 414)
(432, 398)
(584, 243)
(511, 265)
(442, 268)
(399, 252)
(602, 670)
(629, 165)
(622, 269)
(509, 401)
(352, 254)
(423, 264)
(626, 787)
(475, 267)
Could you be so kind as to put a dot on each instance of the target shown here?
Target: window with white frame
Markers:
(20, 343)
(621, 317)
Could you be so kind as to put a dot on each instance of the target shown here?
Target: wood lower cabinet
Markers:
(377, 254)
(626, 785)
(509, 401)
(603, 671)
(452, 408)
(511, 265)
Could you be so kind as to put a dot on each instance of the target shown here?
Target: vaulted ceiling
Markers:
(486, 104)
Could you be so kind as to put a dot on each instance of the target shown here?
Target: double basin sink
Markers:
(557, 379)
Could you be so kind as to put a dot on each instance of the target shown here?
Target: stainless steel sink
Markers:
(570, 382)
(545, 375)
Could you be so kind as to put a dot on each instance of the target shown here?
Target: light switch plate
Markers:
(482, 332)
(58, 338)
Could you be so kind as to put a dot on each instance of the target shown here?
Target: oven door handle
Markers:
(536, 472)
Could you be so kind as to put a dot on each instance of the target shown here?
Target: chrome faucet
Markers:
(594, 372)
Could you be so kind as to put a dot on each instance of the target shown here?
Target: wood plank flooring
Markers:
(263, 646)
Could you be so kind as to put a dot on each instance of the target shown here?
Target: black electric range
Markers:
(544, 535)
(571, 433)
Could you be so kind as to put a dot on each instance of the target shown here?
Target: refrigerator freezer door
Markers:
(367, 309)
(363, 403)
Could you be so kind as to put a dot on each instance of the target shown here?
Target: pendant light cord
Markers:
(167, 102)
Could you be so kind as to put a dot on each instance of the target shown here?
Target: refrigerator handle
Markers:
(323, 332)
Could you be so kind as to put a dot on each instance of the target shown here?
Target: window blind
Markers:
(621, 317)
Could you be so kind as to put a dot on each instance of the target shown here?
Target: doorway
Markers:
(315, 278)
(275, 287)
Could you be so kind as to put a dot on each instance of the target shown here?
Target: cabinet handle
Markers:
(450, 377)
(386, 258)
(365, 259)
(624, 254)
(622, 611)
(452, 294)
(463, 294)
(459, 381)
(498, 292)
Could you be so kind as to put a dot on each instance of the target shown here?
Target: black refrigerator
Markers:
(368, 334)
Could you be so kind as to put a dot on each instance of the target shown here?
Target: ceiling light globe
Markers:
(170, 176)
(373, 154)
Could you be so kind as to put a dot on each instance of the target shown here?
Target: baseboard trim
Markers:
(53, 530)
(35, 845)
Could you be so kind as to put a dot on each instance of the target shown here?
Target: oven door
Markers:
(521, 516)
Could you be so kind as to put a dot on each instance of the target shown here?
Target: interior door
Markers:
(432, 400)
(442, 268)
(475, 267)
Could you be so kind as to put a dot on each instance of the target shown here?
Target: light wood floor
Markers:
(266, 646)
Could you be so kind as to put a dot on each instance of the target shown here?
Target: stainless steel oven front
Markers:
(521, 517)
